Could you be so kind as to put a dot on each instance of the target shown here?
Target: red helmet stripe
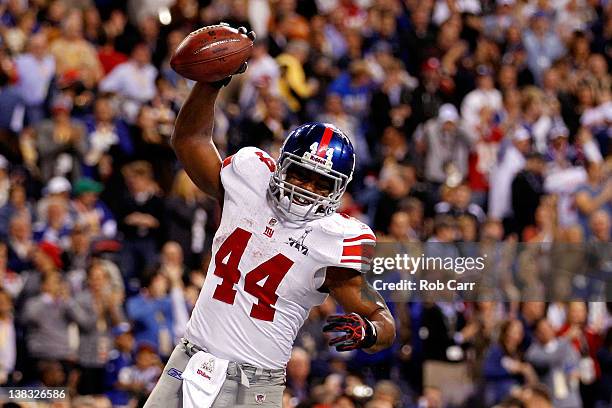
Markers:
(324, 144)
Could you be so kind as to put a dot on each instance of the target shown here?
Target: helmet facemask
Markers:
(297, 203)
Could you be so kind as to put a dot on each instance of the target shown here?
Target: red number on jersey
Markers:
(267, 160)
(233, 246)
(274, 269)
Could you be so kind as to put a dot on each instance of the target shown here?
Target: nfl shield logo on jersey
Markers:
(260, 398)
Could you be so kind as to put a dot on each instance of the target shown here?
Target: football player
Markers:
(281, 249)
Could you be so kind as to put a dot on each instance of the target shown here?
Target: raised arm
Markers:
(193, 131)
(192, 139)
(368, 323)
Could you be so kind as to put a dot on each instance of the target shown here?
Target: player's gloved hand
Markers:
(358, 331)
(223, 82)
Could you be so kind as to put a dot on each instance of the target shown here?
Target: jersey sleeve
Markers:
(248, 170)
(354, 246)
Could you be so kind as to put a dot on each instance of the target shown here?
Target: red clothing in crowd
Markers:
(109, 58)
(482, 158)
(589, 342)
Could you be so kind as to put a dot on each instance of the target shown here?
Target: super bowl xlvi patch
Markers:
(206, 369)
(299, 242)
(173, 372)
(260, 398)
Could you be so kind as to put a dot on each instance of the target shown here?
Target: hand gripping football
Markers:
(212, 53)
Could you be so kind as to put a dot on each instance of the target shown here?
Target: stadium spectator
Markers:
(10, 281)
(188, 218)
(106, 135)
(151, 313)
(48, 316)
(171, 261)
(594, 195)
(151, 144)
(89, 212)
(395, 184)
(139, 214)
(529, 314)
(58, 188)
(457, 202)
(140, 378)
(390, 104)
(483, 154)
(600, 224)
(74, 56)
(268, 125)
(504, 366)
(102, 306)
(45, 261)
(543, 46)
(335, 112)
(527, 191)
(293, 84)
(36, 69)
(133, 81)
(118, 358)
(556, 363)
(17, 36)
(485, 94)
(586, 341)
(262, 76)
(355, 87)
(78, 256)
(57, 225)
(60, 141)
(17, 205)
(20, 243)
(446, 147)
(513, 161)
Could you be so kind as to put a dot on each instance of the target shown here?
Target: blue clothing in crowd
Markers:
(150, 318)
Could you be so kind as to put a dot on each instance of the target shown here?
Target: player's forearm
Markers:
(197, 115)
(385, 330)
(192, 139)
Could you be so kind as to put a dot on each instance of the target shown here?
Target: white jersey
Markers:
(264, 273)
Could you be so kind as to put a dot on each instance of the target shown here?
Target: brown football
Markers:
(211, 53)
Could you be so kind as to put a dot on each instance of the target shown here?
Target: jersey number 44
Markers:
(274, 269)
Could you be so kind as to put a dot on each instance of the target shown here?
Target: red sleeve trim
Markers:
(227, 161)
(363, 261)
(360, 237)
(353, 250)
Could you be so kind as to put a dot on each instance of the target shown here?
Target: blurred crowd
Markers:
(472, 120)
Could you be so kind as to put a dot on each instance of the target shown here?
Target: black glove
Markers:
(223, 82)
(359, 332)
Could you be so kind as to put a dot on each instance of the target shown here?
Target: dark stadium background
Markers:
(472, 120)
